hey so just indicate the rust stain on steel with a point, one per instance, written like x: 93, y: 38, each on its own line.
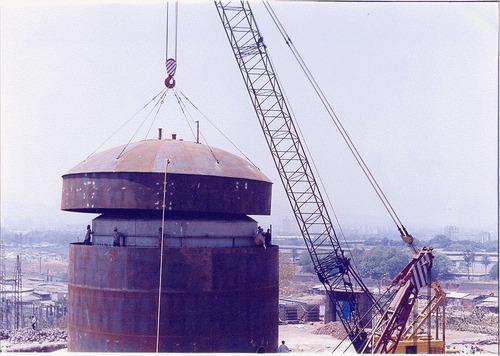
x: 213, y: 299
x: 185, y: 158
x: 98, y: 192
x: 196, y: 182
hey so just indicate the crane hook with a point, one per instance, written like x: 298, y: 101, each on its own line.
x: 170, y: 82
x: 171, y: 66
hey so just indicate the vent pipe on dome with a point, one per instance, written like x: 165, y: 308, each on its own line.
x: 159, y: 133
x: 174, y: 136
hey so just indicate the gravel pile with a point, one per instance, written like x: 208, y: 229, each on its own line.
x: 476, y: 322
x: 28, y: 335
x: 333, y: 328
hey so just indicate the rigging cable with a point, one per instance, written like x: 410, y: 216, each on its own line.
x: 185, y: 113
x: 359, y: 159
x: 125, y: 123
x: 175, y: 29
x: 143, y: 121
x: 171, y: 63
x: 162, y: 100
x: 158, y: 315
x: 215, y: 127
x: 166, y: 36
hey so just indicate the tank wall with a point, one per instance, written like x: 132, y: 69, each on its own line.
x: 213, y: 299
x: 98, y: 192
x: 177, y: 232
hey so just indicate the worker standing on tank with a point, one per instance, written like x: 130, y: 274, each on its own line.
x: 116, y: 237
x: 33, y: 322
x: 267, y: 237
x: 259, y: 239
x: 89, y: 233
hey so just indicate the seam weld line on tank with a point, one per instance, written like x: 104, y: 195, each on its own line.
x: 84, y: 287
x: 90, y: 331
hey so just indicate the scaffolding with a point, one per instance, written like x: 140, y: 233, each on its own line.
x: 16, y: 310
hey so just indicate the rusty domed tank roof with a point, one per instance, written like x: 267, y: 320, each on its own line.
x: 149, y: 156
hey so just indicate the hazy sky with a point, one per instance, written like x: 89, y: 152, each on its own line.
x: 414, y: 84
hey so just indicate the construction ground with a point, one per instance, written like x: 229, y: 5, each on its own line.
x: 472, y: 310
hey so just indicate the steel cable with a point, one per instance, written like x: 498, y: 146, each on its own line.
x: 158, y: 315
x: 142, y: 123
x: 162, y: 101
x: 184, y: 110
x: 373, y: 182
x: 125, y: 123
x: 166, y: 36
x: 316, y: 171
x: 215, y: 127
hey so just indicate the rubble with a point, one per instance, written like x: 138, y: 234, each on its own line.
x: 36, y: 347
x: 4, y: 334
x: 333, y: 328
x: 28, y: 335
x: 477, y: 322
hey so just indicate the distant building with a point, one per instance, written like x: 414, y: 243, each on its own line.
x: 484, y: 237
x: 451, y: 232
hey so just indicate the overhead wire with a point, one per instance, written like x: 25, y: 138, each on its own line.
x: 359, y: 159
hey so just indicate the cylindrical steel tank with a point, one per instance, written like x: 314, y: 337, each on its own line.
x: 219, y: 289
x: 213, y: 299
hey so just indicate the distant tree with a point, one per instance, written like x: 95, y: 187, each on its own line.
x: 357, y: 253
x: 490, y: 246
x: 464, y: 245
x: 494, y: 271
x: 469, y: 258
x: 485, y: 261
x: 441, y: 267
x: 455, y: 246
x: 440, y: 241
x: 382, y: 261
x: 306, y: 263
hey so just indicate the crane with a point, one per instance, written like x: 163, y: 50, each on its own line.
x: 332, y: 266
x: 425, y: 343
